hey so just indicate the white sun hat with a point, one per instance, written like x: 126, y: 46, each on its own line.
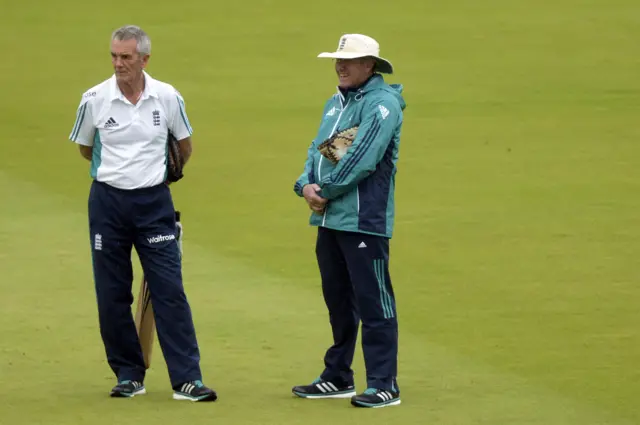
x: 353, y: 46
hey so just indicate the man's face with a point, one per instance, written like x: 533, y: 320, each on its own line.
x: 353, y: 72
x: 127, y: 62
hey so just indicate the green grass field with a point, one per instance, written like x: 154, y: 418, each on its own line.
x: 515, y: 257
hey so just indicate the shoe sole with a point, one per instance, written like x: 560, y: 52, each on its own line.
x: 208, y: 397
x: 139, y: 391
x: 376, y: 405
x: 318, y: 396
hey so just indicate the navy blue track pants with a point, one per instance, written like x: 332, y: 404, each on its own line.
x: 356, y: 286
x: 145, y: 219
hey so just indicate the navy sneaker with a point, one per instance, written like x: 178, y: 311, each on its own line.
x: 324, y: 389
x: 194, y: 391
x: 128, y: 389
x: 373, y: 397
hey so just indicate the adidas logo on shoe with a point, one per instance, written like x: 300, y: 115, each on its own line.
x: 194, y: 391
x: 324, y: 389
x: 373, y: 397
x: 128, y: 388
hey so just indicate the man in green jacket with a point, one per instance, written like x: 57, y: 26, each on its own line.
x: 352, y: 203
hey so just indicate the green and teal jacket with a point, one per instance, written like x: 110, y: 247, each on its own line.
x: 360, y: 187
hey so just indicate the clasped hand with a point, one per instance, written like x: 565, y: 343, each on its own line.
x: 315, y: 201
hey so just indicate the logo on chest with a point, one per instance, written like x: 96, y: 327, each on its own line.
x: 111, y: 123
x: 156, y: 118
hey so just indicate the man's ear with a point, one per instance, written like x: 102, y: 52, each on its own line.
x: 372, y: 63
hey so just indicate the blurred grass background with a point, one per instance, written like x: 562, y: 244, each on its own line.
x: 515, y: 252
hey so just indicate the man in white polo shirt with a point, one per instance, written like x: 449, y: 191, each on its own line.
x: 122, y: 127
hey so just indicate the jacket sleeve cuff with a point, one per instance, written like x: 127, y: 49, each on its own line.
x: 325, y: 192
x: 297, y: 188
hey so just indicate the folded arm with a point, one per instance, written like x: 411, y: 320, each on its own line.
x: 374, y: 135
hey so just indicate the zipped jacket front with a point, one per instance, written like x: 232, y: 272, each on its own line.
x: 360, y: 187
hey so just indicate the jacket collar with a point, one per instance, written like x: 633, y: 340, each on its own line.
x: 375, y: 81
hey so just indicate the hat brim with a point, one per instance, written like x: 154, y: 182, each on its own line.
x: 383, y: 65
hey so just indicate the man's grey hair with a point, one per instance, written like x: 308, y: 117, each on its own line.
x: 128, y: 32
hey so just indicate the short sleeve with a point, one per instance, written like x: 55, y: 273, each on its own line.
x: 178, y: 120
x: 83, y: 128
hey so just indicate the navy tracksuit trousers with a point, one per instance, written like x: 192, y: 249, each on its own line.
x: 145, y: 219
x: 356, y: 285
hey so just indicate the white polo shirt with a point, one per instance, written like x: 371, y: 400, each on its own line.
x: 130, y: 141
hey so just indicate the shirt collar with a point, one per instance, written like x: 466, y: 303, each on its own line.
x: 149, y: 88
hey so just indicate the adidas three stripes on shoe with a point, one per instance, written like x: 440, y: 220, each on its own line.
x: 128, y: 389
x: 324, y: 389
x: 374, y: 397
x: 194, y: 391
